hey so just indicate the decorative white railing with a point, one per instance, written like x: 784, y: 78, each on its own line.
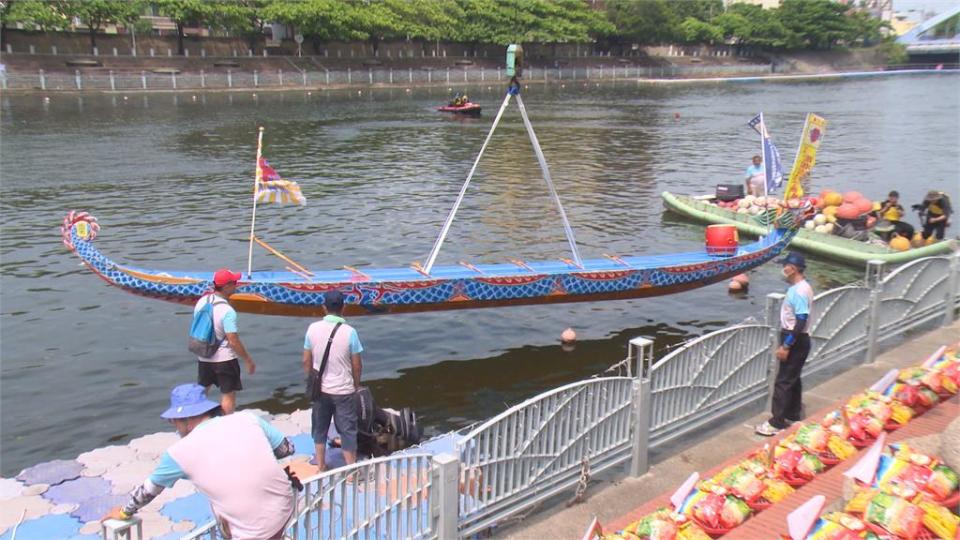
x: 536, y: 449
x: 709, y: 376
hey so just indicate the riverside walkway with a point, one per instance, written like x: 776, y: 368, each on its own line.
x: 618, y: 503
x: 66, y: 498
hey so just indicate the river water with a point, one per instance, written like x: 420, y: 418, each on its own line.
x: 169, y: 177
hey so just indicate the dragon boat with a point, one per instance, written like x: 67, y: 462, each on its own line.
x: 411, y: 289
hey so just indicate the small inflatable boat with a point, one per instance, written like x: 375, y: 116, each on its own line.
x: 467, y: 108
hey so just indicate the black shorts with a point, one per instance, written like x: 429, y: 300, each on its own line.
x: 223, y: 375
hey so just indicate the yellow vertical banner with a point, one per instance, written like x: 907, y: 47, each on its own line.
x: 813, y: 131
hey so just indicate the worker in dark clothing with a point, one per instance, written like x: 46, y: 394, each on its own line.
x: 935, y: 211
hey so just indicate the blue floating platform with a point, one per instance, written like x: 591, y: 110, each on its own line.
x: 51, y: 472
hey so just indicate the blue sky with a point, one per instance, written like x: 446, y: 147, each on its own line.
x: 936, y: 6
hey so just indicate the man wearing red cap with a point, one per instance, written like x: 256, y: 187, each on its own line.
x: 223, y: 369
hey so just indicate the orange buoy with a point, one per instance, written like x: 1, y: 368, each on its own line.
x: 917, y: 240
x: 899, y: 243
x: 851, y: 196
x: 863, y: 205
x: 848, y: 211
x: 722, y: 240
x: 831, y: 198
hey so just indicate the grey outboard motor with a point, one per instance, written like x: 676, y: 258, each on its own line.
x: 383, y: 431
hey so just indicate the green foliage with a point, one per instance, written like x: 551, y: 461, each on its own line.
x: 813, y: 24
x: 183, y: 12
x: 32, y: 14
x: 644, y: 21
x: 816, y: 24
x: 95, y: 14
x: 893, y: 53
x: 696, y: 31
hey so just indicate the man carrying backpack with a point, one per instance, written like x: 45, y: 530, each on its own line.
x: 221, y: 368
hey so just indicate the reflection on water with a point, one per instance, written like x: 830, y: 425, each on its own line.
x: 169, y: 177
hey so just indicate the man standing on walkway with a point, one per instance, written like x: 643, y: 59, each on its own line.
x: 795, y: 314
x: 222, y: 369
x: 230, y: 459
x: 332, y: 364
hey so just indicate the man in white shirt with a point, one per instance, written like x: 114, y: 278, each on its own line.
x: 756, y: 177
x: 331, y: 352
x: 230, y: 459
x: 222, y: 369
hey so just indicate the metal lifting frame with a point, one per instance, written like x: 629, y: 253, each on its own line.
x: 514, y: 90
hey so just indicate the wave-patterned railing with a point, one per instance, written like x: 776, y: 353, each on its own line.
x: 536, y: 449
x: 709, y: 376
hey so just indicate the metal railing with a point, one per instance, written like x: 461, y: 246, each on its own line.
x: 534, y: 450
x: 537, y: 449
x: 709, y: 376
x: 227, y: 79
x: 389, y: 497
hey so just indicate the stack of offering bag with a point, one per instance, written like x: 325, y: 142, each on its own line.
x: 907, y: 473
x: 717, y: 511
x: 897, y: 517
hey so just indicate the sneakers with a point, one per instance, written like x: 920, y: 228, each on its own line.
x: 766, y: 430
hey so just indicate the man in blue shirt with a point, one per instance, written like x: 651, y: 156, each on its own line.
x: 756, y: 177
x: 795, y: 317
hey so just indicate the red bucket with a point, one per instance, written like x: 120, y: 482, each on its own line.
x: 722, y: 240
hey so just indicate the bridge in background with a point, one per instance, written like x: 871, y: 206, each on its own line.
x: 939, y: 36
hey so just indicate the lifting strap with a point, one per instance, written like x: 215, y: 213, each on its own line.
x: 514, y: 90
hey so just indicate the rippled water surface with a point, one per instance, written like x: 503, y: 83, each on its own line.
x: 169, y: 177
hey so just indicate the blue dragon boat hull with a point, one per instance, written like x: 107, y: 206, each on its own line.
x: 408, y: 290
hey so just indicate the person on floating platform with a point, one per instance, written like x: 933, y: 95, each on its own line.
x: 230, y: 459
x: 332, y: 364
x: 756, y: 177
x: 892, y: 212
x: 935, y: 212
x: 457, y: 100
x: 795, y: 314
x: 223, y: 369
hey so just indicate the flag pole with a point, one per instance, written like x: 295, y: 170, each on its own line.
x: 767, y: 168
x: 253, y: 216
x: 763, y: 154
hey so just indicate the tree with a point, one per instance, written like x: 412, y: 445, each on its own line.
x: 697, y: 31
x: 96, y: 14
x: 375, y: 21
x: 320, y: 20
x: 183, y: 12
x: 864, y: 28
x: 644, y: 21
x: 701, y: 10
x: 819, y: 24
x: 241, y: 17
x: 32, y: 14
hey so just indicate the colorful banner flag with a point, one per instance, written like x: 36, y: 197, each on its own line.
x: 772, y: 167
x: 273, y: 189
x: 813, y: 131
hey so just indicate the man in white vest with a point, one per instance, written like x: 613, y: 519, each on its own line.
x: 332, y: 364
x: 231, y: 459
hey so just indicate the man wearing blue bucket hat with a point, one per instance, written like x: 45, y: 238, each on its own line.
x: 231, y: 459
x: 795, y: 316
